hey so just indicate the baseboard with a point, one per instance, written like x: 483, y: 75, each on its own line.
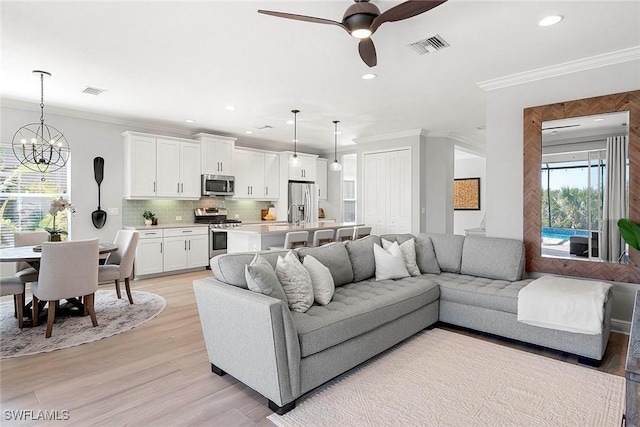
x: 620, y: 326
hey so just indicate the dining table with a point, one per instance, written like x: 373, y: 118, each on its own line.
x: 32, y: 255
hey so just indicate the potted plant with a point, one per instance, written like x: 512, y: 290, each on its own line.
x: 58, y: 205
x: 630, y: 232
x: 148, y: 217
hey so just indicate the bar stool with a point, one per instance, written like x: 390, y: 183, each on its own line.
x: 343, y: 234
x: 296, y: 239
x: 322, y: 237
x: 360, y: 232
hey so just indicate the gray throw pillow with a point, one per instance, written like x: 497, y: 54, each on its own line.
x: 361, y: 256
x: 426, y: 256
x: 335, y: 257
x: 262, y: 278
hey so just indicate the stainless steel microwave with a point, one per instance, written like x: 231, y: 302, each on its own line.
x: 218, y: 185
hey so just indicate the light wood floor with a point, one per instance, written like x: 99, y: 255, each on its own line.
x: 158, y: 373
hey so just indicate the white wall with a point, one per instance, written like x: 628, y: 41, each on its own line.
x: 475, y: 167
x: 437, y: 193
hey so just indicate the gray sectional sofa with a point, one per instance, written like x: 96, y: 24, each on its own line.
x: 283, y: 354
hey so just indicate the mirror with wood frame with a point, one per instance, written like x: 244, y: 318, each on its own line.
x: 534, y: 118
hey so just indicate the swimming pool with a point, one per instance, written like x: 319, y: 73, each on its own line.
x: 562, y: 233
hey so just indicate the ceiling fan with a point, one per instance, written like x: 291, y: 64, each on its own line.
x: 362, y: 19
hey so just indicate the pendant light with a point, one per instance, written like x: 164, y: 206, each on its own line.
x: 335, y: 166
x: 40, y: 147
x: 295, y: 160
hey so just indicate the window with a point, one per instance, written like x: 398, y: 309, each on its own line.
x: 349, y: 188
x: 25, y: 197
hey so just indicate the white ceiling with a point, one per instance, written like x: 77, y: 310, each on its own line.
x: 167, y: 61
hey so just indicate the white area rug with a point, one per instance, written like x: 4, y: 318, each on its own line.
x: 441, y: 378
x: 114, y: 316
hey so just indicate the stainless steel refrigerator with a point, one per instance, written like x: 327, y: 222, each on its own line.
x: 303, y: 202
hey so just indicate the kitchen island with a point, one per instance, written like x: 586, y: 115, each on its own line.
x: 249, y: 238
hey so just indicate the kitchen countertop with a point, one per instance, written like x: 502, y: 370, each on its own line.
x: 162, y: 226
x: 283, y: 228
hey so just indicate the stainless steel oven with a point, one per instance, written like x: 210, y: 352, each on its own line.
x: 218, y: 223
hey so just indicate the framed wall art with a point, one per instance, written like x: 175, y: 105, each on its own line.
x: 466, y: 194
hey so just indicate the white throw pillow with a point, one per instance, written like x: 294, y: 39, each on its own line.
x: 321, y: 279
x: 389, y: 264
x: 295, y: 281
x: 408, y: 250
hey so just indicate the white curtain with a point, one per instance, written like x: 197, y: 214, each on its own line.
x: 611, y: 245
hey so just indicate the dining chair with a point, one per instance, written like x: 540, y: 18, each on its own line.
x: 14, y: 286
x: 343, y: 234
x: 360, y: 232
x: 67, y: 270
x: 24, y: 271
x: 119, y: 264
x: 322, y: 237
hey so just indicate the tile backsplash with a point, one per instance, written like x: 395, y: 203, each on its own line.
x: 167, y: 210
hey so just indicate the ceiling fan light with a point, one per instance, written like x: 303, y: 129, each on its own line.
x: 550, y: 20
x: 361, y: 33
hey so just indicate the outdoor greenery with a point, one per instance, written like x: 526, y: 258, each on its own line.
x: 569, y: 208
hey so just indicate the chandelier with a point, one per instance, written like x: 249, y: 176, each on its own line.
x: 40, y: 147
x: 335, y: 166
x: 295, y: 160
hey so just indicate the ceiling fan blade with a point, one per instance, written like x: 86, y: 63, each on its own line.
x: 368, y: 52
x: 405, y: 10
x: 302, y: 18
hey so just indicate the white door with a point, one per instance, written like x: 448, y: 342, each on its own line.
x: 168, y: 168
x: 374, y: 192
x: 190, y: 170
x: 398, y: 201
x: 148, y: 256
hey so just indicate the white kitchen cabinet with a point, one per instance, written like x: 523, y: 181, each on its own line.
x: 161, y: 167
x: 217, y: 154
x: 139, y: 166
x: 257, y: 175
x: 321, y: 178
x: 149, y: 253
x: 305, y: 171
x: 185, y: 248
x: 272, y: 177
x: 387, y: 191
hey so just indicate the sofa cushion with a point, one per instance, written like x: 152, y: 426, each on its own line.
x: 448, y: 250
x: 361, y: 256
x: 229, y: 268
x: 261, y: 277
x: 500, y: 295
x: 493, y: 257
x: 334, y: 256
x: 296, y: 282
x: 360, y: 307
x: 389, y: 262
x: 426, y: 255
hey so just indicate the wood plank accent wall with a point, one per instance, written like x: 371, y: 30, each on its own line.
x: 533, y: 118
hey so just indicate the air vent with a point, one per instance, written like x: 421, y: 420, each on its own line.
x: 428, y: 45
x: 93, y: 90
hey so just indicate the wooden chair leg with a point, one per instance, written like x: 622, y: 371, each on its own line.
x: 89, y: 299
x: 128, y: 286
x: 51, y: 317
x: 19, y: 308
x: 118, y: 289
x: 85, y: 310
x: 34, y: 310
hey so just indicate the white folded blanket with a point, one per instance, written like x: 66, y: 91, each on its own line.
x: 564, y: 304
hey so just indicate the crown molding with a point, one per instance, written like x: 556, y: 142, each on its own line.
x: 611, y: 58
x: 463, y: 143
x: 392, y: 135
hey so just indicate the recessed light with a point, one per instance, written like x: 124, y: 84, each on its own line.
x: 550, y: 20
x: 369, y: 76
x: 248, y: 132
x: 230, y: 108
x: 189, y: 121
x: 289, y: 122
x: 599, y: 119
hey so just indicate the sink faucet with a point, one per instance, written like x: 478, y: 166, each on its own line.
x: 297, y: 212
